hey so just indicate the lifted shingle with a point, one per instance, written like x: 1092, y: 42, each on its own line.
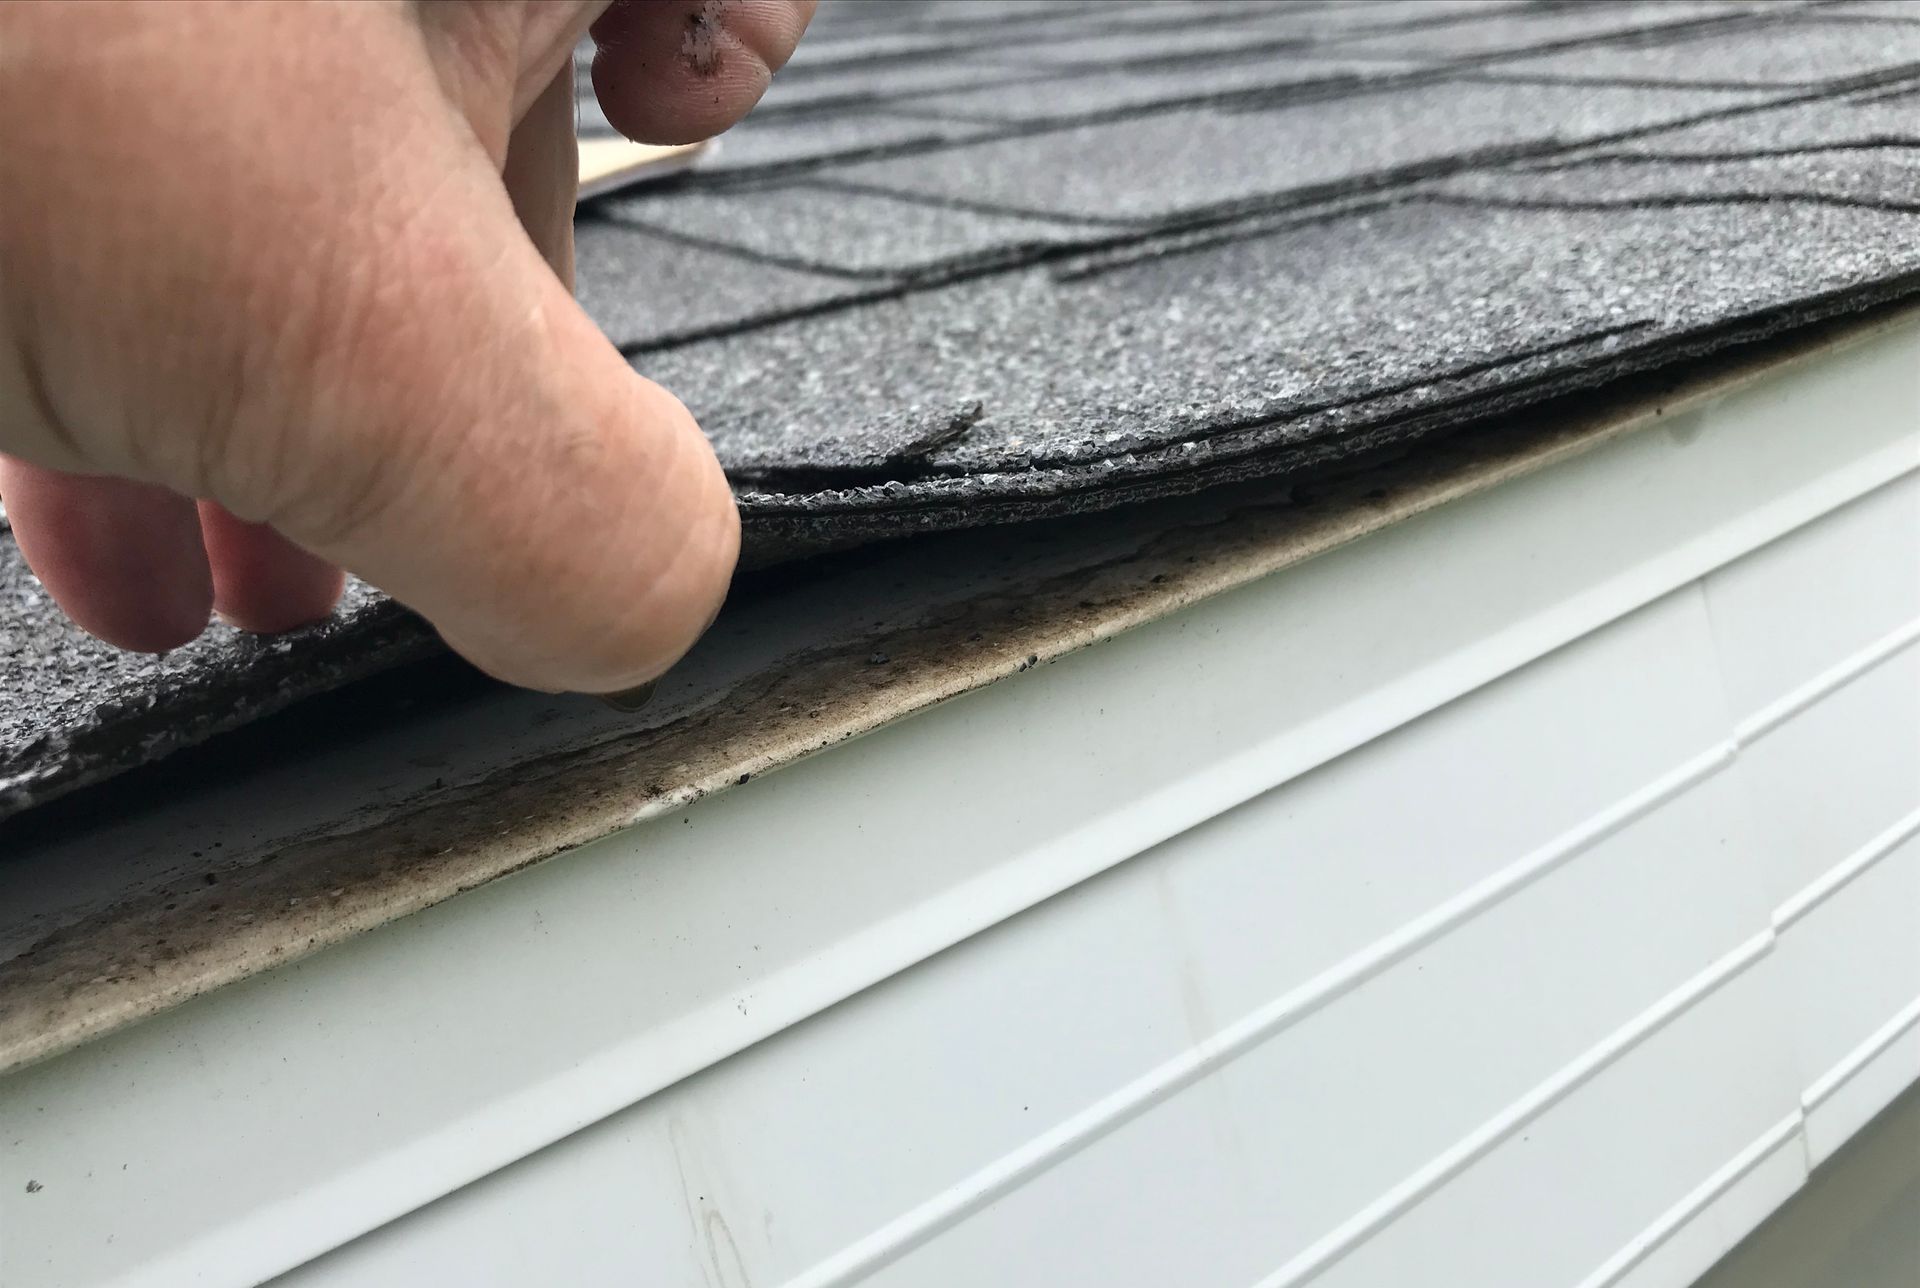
x: 989, y: 260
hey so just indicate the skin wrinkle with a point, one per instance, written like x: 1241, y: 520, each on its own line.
x: 332, y: 349
x: 22, y: 308
x: 603, y: 640
x: 405, y: 223
x: 555, y: 42
x: 617, y: 621
x: 244, y: 414
x: 541, y: 172
x: 332, y: 261
x: 18, y: 325
x: 36, y: 399
x: 531, y: 45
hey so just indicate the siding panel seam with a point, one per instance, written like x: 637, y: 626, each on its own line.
x: 947, y: 1209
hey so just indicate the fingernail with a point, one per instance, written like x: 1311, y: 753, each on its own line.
x: 631, y: 699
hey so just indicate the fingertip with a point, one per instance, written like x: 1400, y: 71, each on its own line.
x: 123, y: 560
x: 561, y: 521
x: 262, y: 582
x: 681, y: 71
x: 632, y: 603
x: 160, y: 624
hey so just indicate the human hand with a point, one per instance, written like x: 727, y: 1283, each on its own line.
x: 285, y: 289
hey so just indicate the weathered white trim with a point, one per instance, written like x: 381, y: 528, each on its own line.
x: 1304, y: 668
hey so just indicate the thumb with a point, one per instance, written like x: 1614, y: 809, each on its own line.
x: 486, y: 456
x: 306, y: 295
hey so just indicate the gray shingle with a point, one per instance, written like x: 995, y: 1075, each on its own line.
x: 833, y: 50
x: 1425, y: 31
x: 1837, y: 123
x: 1885, y: 177
x: 840, y: 231
x: 1811, y: 52
x: 901, y: 85
x: 1086, y: 96
x: 1339, y: 18
x: 645, y: 290
x: 1182, y: 163
x: 1253, y: 347
x: 966, y: 15
x: 960, y: 364
x: 1253, y: 28
x: 76, y: 710
x: 800, y: 142
x: 970, y: 22
x: 1545, y: 26
x: 1889, y: 10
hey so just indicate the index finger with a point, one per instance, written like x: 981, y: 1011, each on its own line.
x: 678, y: 71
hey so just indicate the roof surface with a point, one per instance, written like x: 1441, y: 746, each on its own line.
x: 393, y: 795
x: 982, y: 260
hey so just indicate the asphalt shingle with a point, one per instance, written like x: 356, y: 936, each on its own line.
x: 984, y: 260
x: 799, y: 143
x: 1182, y: 163
x: 1858, y: 121
x: 1089, y: 96
x: 1336, y: 329
x: 644, y: 290
x: 1549, y: 26
x: 1887, y: 178
x: 839, y: 230
x: 76, y: 710
x: 1820, y: 51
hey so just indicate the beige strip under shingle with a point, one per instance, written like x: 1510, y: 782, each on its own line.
x: 607, y: 164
